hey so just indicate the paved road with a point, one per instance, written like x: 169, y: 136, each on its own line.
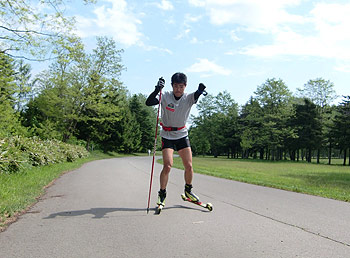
x: 99, y: 210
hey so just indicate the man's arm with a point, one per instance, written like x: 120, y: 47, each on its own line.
x: 152, y: 98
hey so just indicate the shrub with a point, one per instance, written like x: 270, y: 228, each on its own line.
x: 18, y: 153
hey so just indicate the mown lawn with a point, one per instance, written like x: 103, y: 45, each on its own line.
x: 330, y: 181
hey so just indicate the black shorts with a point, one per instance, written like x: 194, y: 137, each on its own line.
x: 176, y: 144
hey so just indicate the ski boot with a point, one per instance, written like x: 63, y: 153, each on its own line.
x: 189, y: 194
x: 161, y: 200
x: 191, y: 197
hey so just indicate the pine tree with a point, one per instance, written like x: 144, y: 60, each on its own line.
x: 307, y: 125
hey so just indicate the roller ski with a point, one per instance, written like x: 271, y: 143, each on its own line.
x: 189, y: 196
x: 161, y: 201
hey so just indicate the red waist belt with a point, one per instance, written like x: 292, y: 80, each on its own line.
x: 165, y: 128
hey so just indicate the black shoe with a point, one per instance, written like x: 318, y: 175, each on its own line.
x: 161, y: 197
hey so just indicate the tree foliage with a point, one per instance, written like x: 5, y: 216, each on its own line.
x: 341, y: 127
x: 273, y: 124
x: 9, y: 118
x: 30, y: 28
x: 319, y: 91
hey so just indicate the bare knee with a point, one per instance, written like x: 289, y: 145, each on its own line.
x: 167, y: 167
x: 188, y: 166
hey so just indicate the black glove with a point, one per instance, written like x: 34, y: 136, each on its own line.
x: 201, y: 88
x: 160, y: 84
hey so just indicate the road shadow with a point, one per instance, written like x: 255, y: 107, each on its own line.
x: 99, y: 213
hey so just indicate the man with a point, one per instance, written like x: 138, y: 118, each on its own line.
x: 175, y: 109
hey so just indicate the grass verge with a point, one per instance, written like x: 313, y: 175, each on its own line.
x: 19, y: 191
x: 330, y: 181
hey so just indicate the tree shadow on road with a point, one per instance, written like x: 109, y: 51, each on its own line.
x: 99, y: 213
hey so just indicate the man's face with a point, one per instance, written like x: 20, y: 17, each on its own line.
x: 178, y: 89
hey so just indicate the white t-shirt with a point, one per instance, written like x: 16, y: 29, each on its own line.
x: 175, y: 114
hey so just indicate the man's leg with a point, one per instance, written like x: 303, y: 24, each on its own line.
x: 167, y: 164
x: 186, y: 156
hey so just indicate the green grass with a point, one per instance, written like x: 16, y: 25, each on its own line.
x: 330, y: 181
x: 20, y: 190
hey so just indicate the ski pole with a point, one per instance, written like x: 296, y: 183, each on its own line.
x: 154, y: 150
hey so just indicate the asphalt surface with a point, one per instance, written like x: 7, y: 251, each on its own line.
x: 99, y: 210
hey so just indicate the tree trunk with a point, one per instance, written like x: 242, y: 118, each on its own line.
x: 302, y: 154
x: 298, y: 152
x: 261, y: 156
x: 344, y: 162
x: 292, y: 155
x: 318, y: 156
x: 88, y: 144
x: 272, y: 155
x: 330, y: 153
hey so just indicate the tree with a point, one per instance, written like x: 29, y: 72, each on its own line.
x: 216, y: 124
x: 81, y: 95
x: 24, y: 85
x: 319, y: 91
x: 145, y: 117
x: 100, y: 93
x: 199, y: 141
x: 274, y: 97
x: 30, y: 28
x: 9, y: 119
x: 253, y: 136
x: 307, y: 124
x: 341, y: 130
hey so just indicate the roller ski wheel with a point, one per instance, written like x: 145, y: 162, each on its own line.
x: 159, y: 208
x: 208, y: 205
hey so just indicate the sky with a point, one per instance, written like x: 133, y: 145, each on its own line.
x: 232, y: 45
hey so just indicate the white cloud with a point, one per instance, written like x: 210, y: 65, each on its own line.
x: 345, y: 68
x: 194, y: 40
x: 165, y: 5
x: 207, y: 68
x: 329, y: 37
x: 117, y: 21
x: 152, y: 48
x: 197, y: 3
x: 189, y: 18
x: 252, y: 15
x: 321, y: 32
x: 234, y: 36
x: 183, y: 34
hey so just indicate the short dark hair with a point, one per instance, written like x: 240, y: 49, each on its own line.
x: 179, y: 78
